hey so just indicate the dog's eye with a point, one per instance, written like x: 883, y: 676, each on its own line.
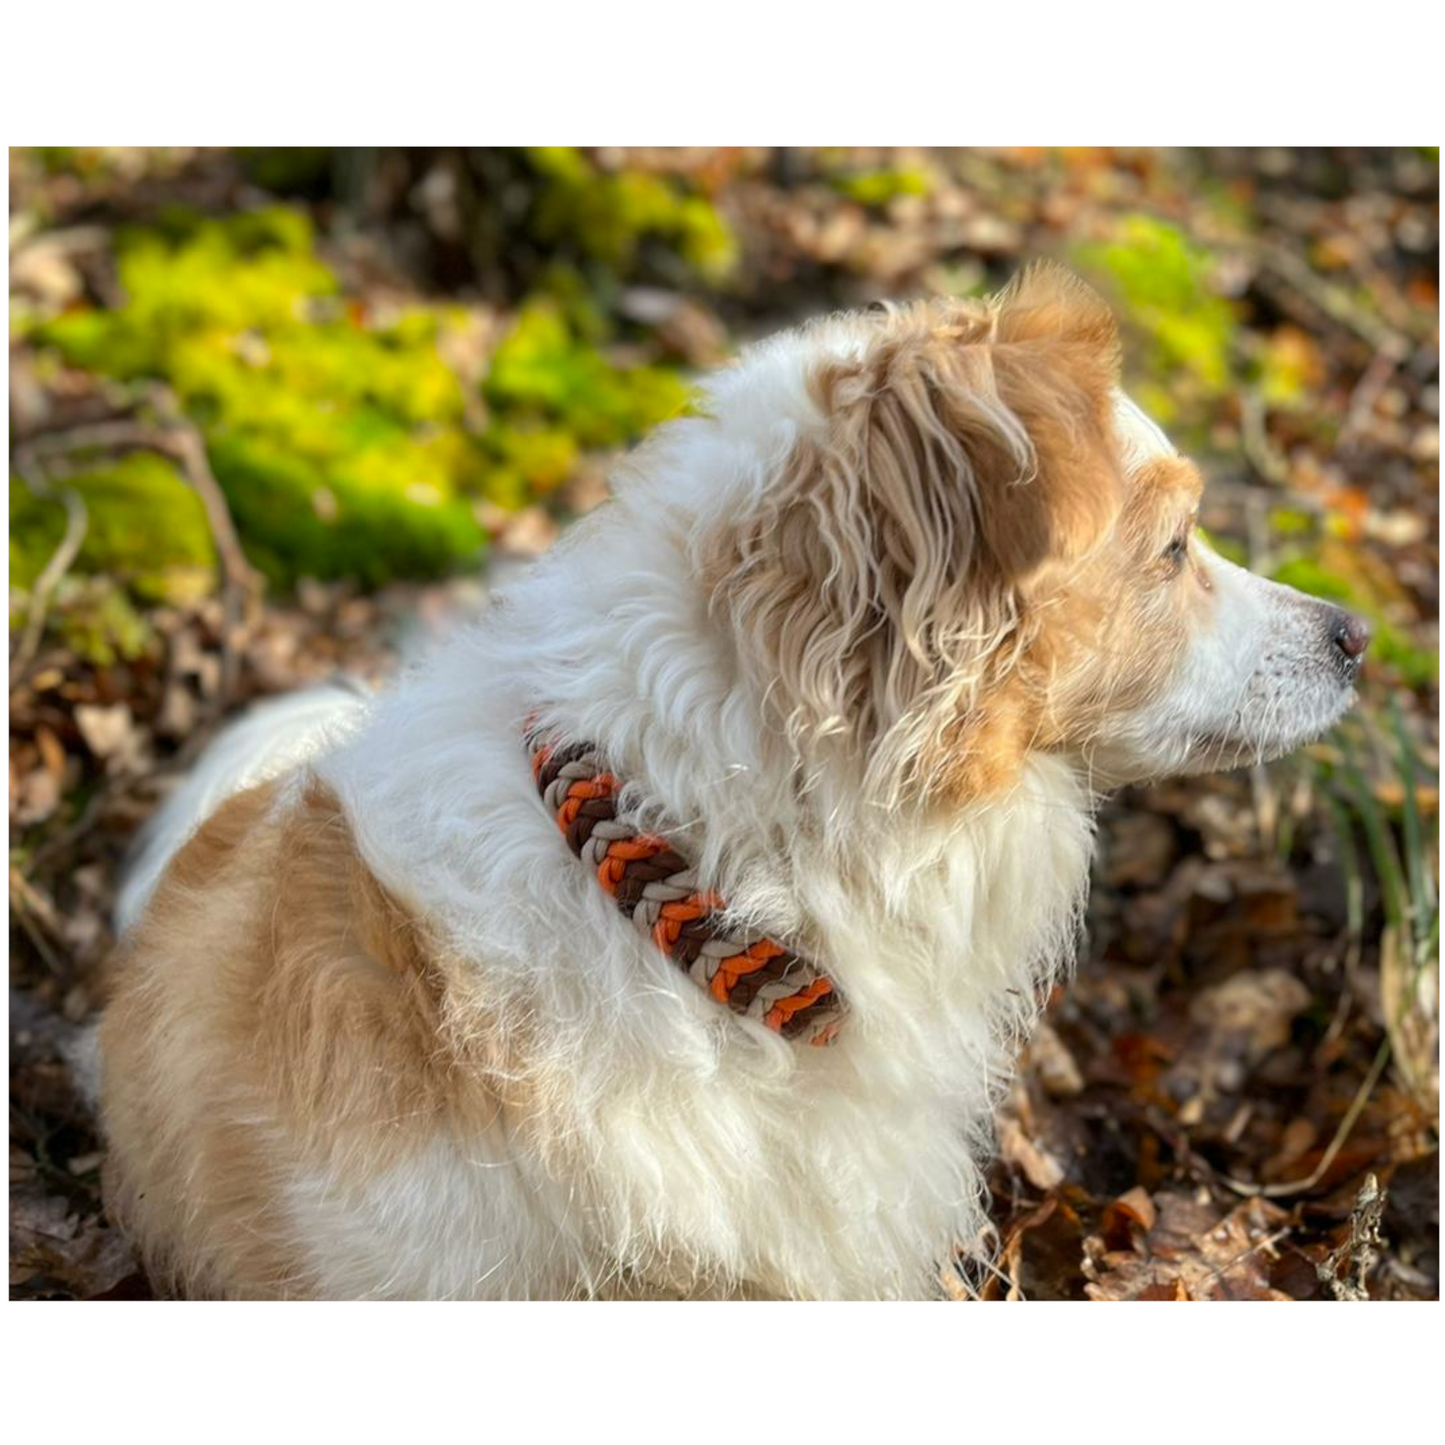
x: 1176, y: 552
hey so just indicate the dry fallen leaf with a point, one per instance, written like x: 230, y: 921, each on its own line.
x: 56, y: 1251
x: 1189, y: 1253
x: 1018, y: 1147
x: 111, y: 734
x: 1252, y: 1012
x: 1049, y: 1059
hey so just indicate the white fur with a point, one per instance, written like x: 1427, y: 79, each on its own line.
x: 1259, y: 677
x: 666, y: 1143
x: 1141, y: 438
x: 699, y: 1147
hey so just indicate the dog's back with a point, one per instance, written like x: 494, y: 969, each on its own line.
x: 269, y: 739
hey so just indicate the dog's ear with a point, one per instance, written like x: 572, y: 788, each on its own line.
x: 883, y: 574
x: 1048, y: 302
x: 1054, y: 366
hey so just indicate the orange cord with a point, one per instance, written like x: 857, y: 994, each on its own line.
x: 700, y: 907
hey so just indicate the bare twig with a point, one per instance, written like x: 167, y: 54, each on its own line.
x: 1292, y: 274
x: 1266, y: 458
x: 52, y: 455
x: 77, y: 521
x: 1268, y: 1242
x: 190, y: 451
x: 238, y: 582
x: 1369, y: 387
x: 36, y: 915
x: 1352, y: 1114
x: 178, y: 439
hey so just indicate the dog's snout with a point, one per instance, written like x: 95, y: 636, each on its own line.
x: 1350, y: 635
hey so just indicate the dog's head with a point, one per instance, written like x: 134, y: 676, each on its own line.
x: 959, y: 543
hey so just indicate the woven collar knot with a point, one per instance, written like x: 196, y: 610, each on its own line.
x: 659, y: 891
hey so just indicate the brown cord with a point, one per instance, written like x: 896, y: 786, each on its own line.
x: 655, y: 887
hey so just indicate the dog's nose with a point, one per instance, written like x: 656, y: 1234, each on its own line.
x: 1350, y: 634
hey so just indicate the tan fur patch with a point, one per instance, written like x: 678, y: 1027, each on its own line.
x: 880, y: 595
x: 1114, y: 627
x: 274, y: 1011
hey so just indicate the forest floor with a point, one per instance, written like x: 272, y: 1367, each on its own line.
x: 1237, y: 1094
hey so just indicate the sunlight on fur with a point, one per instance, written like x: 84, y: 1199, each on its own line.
x: 867, y: 637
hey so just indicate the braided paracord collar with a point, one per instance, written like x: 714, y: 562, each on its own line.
x: 658, y: 891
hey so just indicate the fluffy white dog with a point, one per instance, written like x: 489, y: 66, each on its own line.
x: 822, y: 701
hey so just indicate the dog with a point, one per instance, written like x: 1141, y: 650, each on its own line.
x: 672, y: 929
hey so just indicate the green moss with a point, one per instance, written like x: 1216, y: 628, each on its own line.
x: 610, y: 215
x: 1162, y: 281
x: 1286, y: 522
x: 527, y: 462
x: 1309, y: 576
x: 97, y: 620
x: 876, y: 188
x: 346, y: 520
x: 339, y: 445
x: 250, y: 274
x: 342, y: 443
x: 36, y: 528
x: 543, y: 373
x: 145, y: 528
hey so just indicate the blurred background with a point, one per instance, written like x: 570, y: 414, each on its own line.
x: 273, y: 411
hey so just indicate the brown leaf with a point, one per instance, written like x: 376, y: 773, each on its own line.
x: 55, y: 1251
x: 33, y: 797
x: 1040, y: 1168
x: 110, y: 732
x: 1252, y: 1012
x: 1049, y: 1059
x: 1190, y: 1253
x: 1139, y: 850
x: 1129, y: 1212
x: 52, y: 752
